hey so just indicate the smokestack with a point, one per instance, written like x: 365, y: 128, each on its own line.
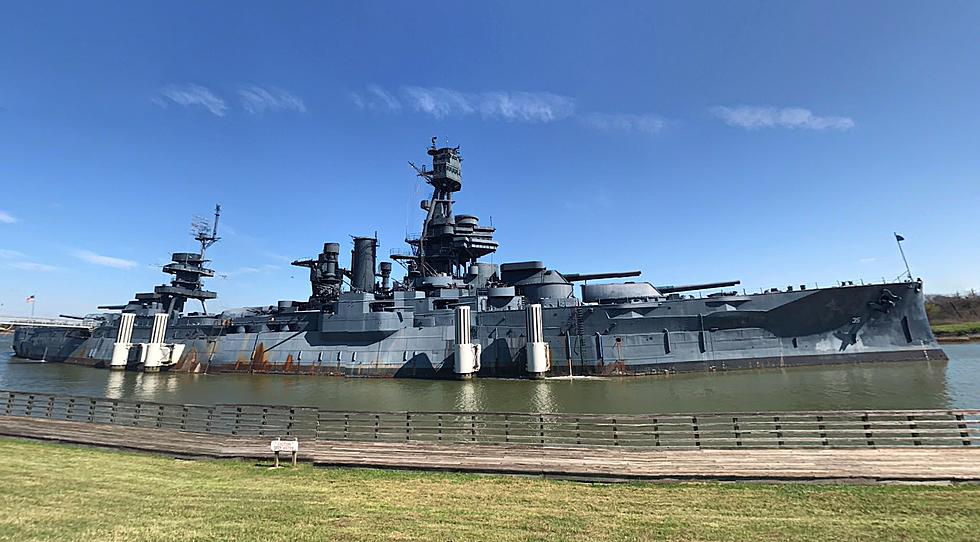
x: 362, y: 263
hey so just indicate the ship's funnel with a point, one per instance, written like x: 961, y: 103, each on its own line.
x: 362, y: 263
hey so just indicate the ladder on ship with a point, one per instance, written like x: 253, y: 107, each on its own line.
x: 578, y: 327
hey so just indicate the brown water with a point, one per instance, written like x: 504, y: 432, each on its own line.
x: 953, y: 384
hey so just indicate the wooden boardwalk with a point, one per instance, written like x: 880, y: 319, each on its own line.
x: 909, y: 463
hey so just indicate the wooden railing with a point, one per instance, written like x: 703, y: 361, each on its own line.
x: 829, y: 429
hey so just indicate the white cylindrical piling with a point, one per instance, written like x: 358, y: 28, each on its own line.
x: 120, y: 350
x: 466, y: 357
x: 153, y: 354
x: 126, y: 327
x: 159, y: 327
x: 538, y: 350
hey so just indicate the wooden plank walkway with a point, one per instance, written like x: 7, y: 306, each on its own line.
x: 923, y: 464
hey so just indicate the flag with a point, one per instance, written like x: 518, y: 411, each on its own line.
x: 29, y: 299
x: 899, y: 238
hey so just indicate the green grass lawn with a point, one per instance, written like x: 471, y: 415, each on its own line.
x: 968, y: 328
x: 61, y: 492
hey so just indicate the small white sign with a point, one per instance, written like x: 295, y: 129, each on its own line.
x: 284, y: 445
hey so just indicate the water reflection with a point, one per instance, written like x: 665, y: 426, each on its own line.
x: 114, y: 385
x: 541, y: 397
x: 869, y: 386
x: 468, y: 397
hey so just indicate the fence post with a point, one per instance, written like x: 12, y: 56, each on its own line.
x: 964, y: 434
x: 697, y: 431
x: 912, y: 430
x: 867, y: 429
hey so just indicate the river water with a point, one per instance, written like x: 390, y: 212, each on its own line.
x: 916, y: 385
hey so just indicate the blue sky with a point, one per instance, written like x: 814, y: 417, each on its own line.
x: 776, y: 143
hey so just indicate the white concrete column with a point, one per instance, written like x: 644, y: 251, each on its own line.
x: 466, y: 357
x: 120, y: 350
x: 538, y: 351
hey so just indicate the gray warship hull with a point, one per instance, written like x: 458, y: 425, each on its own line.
x: 779, y: 329
x: 453, y: 315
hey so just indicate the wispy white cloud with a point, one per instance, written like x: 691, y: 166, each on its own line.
x: 14, y: 259
x: 31, y: 266
x: 441, y: 102
x: 248, y: 270
x: 106, y: 261
x: 257, y: 100
x: 375, y: 98
x: 7, y: 218
x: 516, y: 106
x: 191, y: 95
x: 752, y: 117
x: 868, y: 260
x: 625, y: 122
x: 438, y: 102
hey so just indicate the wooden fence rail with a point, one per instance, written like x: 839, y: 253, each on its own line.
x: 812, y: 429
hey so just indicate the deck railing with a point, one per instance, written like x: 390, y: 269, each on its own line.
x: 827, y: 429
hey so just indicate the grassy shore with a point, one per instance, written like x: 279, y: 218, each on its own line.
x: 959, y: 329
x: 61, y: 492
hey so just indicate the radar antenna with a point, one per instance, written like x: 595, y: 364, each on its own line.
x: 201, y: 227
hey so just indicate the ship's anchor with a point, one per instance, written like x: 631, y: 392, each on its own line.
x: 885, y: 302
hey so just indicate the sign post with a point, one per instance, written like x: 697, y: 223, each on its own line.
x: 291, y: 446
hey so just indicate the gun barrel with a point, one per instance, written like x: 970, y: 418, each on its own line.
x: 69, y: 316
x: 575, y: 277
x: 692, y: 287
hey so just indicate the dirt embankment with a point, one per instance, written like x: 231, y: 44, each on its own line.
x: 954, y: 318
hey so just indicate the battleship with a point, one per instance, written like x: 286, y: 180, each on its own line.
x: 454, y: 315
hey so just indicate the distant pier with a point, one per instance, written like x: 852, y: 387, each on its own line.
x: 876, y: 446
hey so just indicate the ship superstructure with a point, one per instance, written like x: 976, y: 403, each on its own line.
x: 454, y: 315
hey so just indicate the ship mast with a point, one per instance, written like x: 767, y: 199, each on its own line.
x: 208, y: 238
x: 447, y: 243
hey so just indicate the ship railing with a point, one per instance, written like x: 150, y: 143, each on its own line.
x: 20, y: 321
x: 808, y: 286
x: 788, y: 429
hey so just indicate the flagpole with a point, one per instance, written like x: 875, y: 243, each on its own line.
x: 898, y: 239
